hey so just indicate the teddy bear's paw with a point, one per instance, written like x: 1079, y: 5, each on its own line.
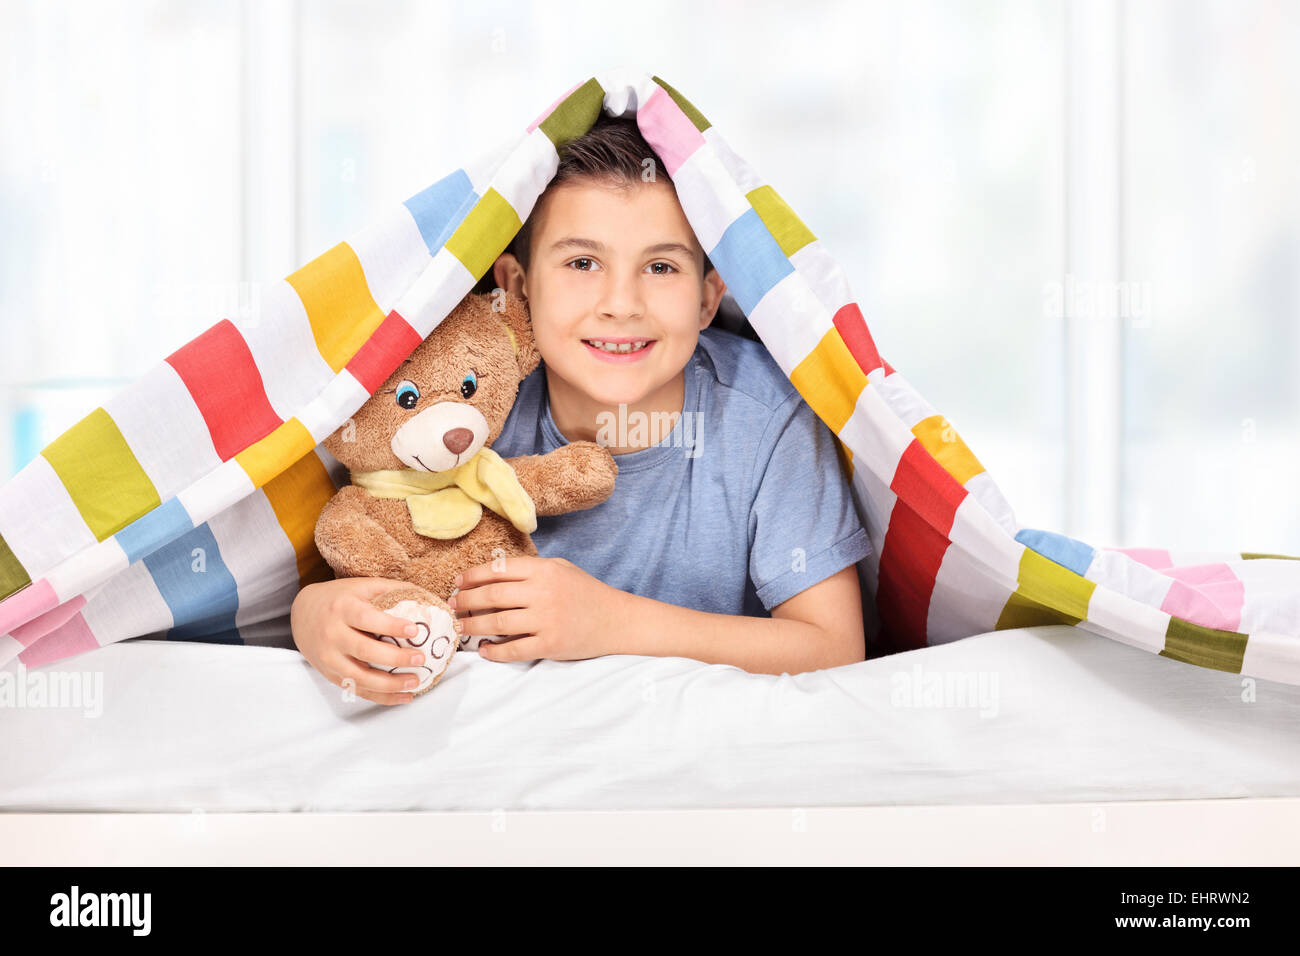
x: 470, y: 642
x: 593, y: 458
x: 437, y: 638
x: 592, y: 473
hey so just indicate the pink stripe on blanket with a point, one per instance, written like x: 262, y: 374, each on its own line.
x: 31, y: 632
x: 668, y: 130
x: 1152, y: 557
x: 32, y: 601
x: 1207, y: 594
x: 72, y: 637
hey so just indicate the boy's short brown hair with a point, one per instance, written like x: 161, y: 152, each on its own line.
x: 612, y: 152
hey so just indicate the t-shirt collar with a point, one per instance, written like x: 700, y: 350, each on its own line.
x: 643, y: 458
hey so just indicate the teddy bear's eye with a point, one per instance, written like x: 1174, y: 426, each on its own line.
x: 469, y: 384
x: 407, y: 394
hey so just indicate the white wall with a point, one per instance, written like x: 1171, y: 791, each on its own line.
x: 976, y: 166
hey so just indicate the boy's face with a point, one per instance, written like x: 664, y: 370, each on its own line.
x: 614, y: 265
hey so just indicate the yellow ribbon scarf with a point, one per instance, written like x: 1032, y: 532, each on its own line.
x: 448, y: 504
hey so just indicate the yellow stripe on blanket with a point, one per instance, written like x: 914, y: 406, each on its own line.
x: 102, y: 475
x: 276, y: 452
x: 297, y: 496
x: 830, y: 380
x: 786, y: 228
x: 340, y: 307
x: 1046, y: 593
x: 940, y: 439
x: 485, y: 233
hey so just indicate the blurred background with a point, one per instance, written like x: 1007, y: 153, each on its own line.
x: 1073, y: 226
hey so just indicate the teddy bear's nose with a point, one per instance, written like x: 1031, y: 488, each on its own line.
x: 457, y: 440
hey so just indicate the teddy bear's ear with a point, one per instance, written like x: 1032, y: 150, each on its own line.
x: 513, y: 310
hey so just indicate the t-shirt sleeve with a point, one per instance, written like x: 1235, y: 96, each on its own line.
x: 803, y: 525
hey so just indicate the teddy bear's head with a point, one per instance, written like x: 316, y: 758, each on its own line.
x: 451, y: 397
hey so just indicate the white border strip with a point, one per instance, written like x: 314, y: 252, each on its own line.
x: 1228, y: 832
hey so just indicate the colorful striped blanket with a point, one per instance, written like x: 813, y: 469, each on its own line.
x: 185, y: 506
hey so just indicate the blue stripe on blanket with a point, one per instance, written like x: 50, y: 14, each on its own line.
x: 1069, y: 552
x: 439, y: 209
x: 168, y: 521
x: 198, y: 588
x: 750, y: 259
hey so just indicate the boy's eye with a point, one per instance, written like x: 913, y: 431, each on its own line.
x: 407, y: 394
x: 469, y: 384
x: 668, y: 266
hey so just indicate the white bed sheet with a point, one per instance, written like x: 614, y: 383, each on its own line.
x: 1075, y: 717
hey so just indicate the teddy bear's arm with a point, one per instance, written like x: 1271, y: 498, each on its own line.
x: 572, y: 477
x: 353, y: 543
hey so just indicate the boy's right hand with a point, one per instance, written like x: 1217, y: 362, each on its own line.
x: 333, y: 623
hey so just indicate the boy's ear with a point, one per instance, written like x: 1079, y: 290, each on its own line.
x: 507, y: 273
x: 513, y: 310
x: 714, y: 290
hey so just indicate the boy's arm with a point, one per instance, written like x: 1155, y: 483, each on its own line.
x: 819, y: 627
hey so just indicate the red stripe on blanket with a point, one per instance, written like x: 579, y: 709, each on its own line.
x: 927, y: 487
x: 223, y: 379
x: 853, y: 330
x: 909, y: 564
x: 388, y: 345
x: 72, y: 637
x: 914, y: 546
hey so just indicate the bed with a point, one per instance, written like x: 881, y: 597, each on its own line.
x: 1042, y: 744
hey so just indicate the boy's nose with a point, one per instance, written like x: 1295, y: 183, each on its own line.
x: 457, y: 440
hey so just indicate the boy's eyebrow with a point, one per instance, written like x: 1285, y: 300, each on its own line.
x: 576, y: 242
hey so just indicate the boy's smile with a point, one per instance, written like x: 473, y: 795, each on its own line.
x: 617, y: 297
x: 626, y: 349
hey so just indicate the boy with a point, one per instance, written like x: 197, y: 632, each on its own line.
x: 730, y: 538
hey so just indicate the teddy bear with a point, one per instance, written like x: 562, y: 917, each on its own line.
x: 428, y: 496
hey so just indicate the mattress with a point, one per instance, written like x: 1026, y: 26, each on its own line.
x: 1035, y: 715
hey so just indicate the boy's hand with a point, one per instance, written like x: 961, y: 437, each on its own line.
x: 332, y: 625
x: 556, y: 609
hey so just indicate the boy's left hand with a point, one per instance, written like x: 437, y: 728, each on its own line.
x: 558, y: 610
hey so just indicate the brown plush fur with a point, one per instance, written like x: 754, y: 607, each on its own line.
x: 360, y: 535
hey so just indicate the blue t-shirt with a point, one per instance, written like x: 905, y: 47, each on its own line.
x: 740, y: 507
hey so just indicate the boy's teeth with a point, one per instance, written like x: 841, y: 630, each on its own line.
x: 625, y: 347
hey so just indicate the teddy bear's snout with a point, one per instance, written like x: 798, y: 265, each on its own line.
x: 457, y: 439
x: 441, y: 437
